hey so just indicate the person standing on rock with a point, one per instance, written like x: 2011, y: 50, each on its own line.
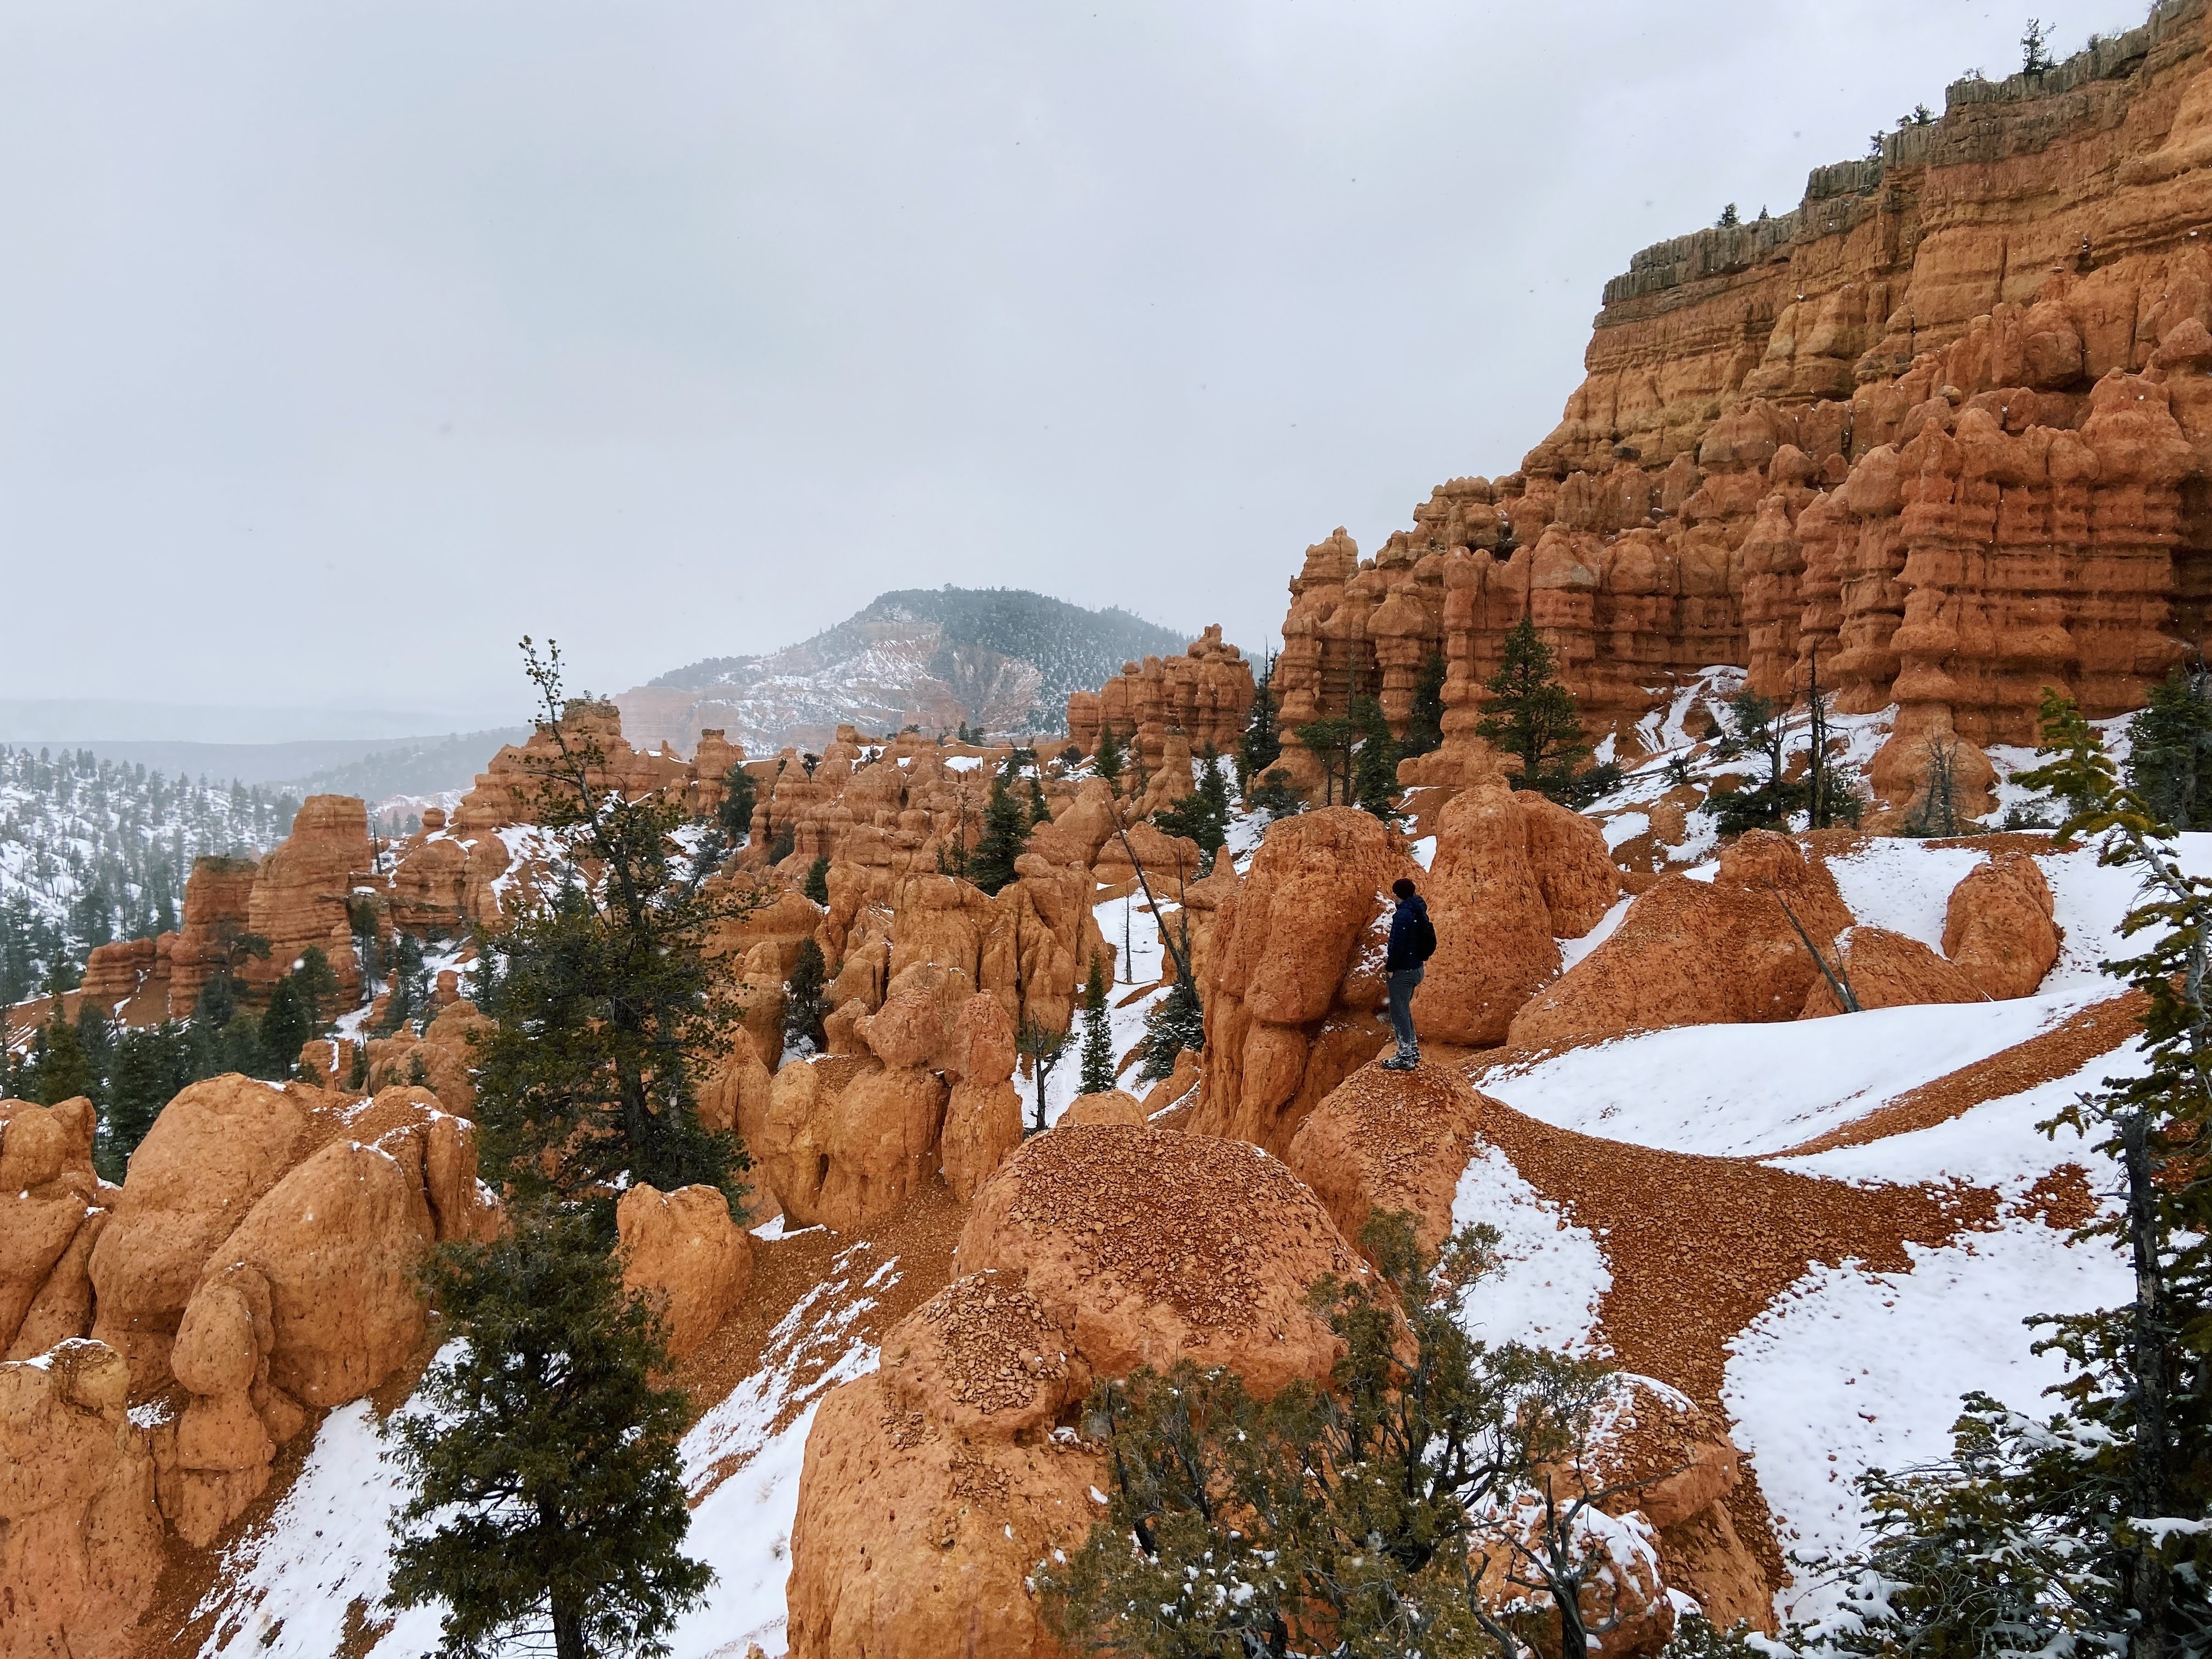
x: 1412, y: 942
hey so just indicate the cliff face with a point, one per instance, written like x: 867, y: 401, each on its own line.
x: 1946, y: 428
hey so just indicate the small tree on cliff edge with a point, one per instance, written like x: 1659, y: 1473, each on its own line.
x: 548, y: 1493
x: 607, y: 1007
x: 1529, y: 714
x: 804, y: 1005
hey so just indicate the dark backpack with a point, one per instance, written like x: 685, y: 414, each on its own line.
x: 1425, y: 937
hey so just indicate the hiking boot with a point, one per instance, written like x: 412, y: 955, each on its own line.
x: 1402, y: 1063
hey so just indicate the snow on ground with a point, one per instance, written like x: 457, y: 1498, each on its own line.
x: 1552, y: 1274
x: 1137, y: 969
x: 1572, y: 951
x: 1902, y: 885
x: 287, y: 1585
x: 1742, y: 1090
x: 1851, y: 1369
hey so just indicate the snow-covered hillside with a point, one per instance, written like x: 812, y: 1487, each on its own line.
x: 1001, y: 660
x: 93, y: 850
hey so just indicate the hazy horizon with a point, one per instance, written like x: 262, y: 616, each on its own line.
x: 347, y: 345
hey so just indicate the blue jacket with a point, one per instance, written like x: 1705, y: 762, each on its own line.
x: 1406, y: 927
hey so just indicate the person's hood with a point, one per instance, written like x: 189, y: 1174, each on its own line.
x: 1417, y: 905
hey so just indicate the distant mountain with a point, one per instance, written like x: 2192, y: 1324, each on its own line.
x: 1000, y: 659
x: 413, y: 766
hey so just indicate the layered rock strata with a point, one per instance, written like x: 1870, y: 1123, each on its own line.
x: 1941, y: 435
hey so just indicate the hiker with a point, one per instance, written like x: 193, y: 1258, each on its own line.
x: 1412, y: 942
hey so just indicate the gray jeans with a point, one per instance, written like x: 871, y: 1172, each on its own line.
x: 1401, y: 1009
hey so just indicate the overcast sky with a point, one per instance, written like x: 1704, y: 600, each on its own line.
x: 340, y: 344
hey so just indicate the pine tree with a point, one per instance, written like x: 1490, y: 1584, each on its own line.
x: 1203, y: 815
x: 2044, y: 1537
x: 1261, y: 745
x: 815, y: 885
x: 1529, y: 714
x: 547, y: 1488
x: 2170, y: 750
x: 1043, y: 1047
x: 286, y: 1024
x: 804, y: 1004
x: 1040, y: 812
x: 1006, y: 837
x: 1758, y: 728
x: 1375, y: 767
x: 151, y: 1065
x: 1096, y: 1076
x: 1330, y: 741
x: 1414, y: 1504
x: 1425, y: 729
x: 607, y: 1009
x: 735, y: 812
x: 59, y: 1069
x: 1106, y: 758
x: 1177, y: 1022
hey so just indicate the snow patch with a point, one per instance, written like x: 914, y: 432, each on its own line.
x: 1552, y: 1274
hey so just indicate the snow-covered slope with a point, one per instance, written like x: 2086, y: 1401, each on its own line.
x: 93, y: 850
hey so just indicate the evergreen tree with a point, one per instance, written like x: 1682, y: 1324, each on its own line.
x: 318, y: 984
x: 1275, y: 798
x: 1330, y: 741
x: 782, y: 844
x: 1375, y: 768
x: 1261, y: 745
x: 1177, y: 1022
x: 1106, y: 758
x: 2170, y: 750
x: 1097, y: 1075
x: 1040, y: 812
x: 1006, y: 837
x: 1759, y: 729
x: 95, y: 1039
x: 547, y: 1489
x: 286, y: 1024
x: 238, y: 1047
x: 59, y: 1070
x: 607, y: 1008
x: 151, y: 1064
x: 815, y: 885
x: 1202, y: 815
x: 1424, y: 730
x: 1412, y: 1505
x: 1531, y: 717
x: 804, y: 1004
x: 735, y: 813
x: 2084, y: 1533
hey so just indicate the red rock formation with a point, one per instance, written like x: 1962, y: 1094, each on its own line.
x: 1291, y: 1000
x: 1997, y: 928
x: 1091, y: 1251
x: 218, y: 896
x: 1886, y: 971
x: 1204, y: 696
x: 682, y: 1252
x: 80, y: 1539
x: 1697, y: 952
x: 1945, y: 428
x: 302, y: 890
x: 52, y: 1207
